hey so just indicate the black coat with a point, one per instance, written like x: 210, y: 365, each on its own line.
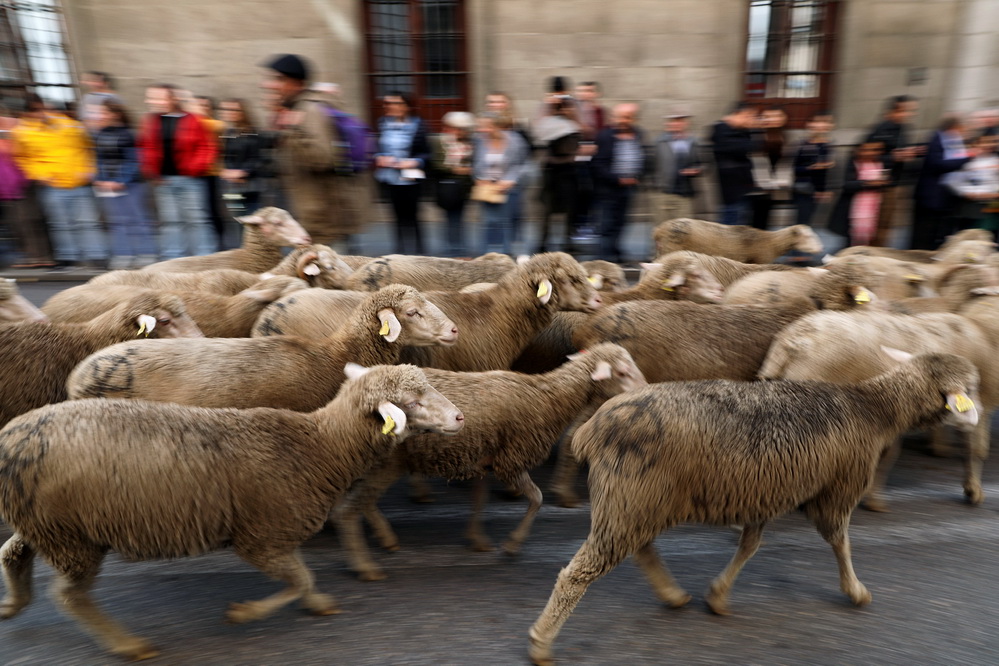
x: 733, y: 147
x: 839, y: 219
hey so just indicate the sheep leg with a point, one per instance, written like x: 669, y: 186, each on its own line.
x: 940, y: 442
x: 71, y: 591
x: 523, y: 484
x: 566, y: 470
x: 363, y: 498
x: 17, y: 559
x: 289, y: 568
x: 663, y: 583
x: 590, y: 563
x: 475, y: 534
x: 978, y: 451
x: 873, y: 500
x: 832, y: 525
x: 419, y: 489
x: 749, y: 542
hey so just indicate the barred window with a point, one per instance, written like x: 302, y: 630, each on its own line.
x: 417, y: 46
x: 789, y: 55
x: 33, y: 53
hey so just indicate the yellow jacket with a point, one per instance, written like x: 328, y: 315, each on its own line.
x: 56, y: 151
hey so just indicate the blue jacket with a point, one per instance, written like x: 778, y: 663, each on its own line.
x: 515, y: 157
x: 929, y: 192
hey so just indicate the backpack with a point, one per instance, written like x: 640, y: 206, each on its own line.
x: 356, y: 145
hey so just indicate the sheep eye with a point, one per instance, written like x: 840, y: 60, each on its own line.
x: 413, y: 405
x: 163, y: 321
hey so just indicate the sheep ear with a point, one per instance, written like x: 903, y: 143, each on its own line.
x: 860, y: 295
x: 146, y: 324
x: 303, y: 262
x: 602, y: 372
x: 353, y: 370
x: 814, y: 270
x: 251, y: 219
x: 312, y: 269
x: 523, y: 259
x: 649, y: 266
x: 578, y: 355
x: 827, y: 259
x: 391, y: 326
x: 985, y: 291
x: 897, y: 354
x: 395, y: 419
x: 597, y: 280
x: 962, y: 409
x: 545, y: 291
x: 675, y: 280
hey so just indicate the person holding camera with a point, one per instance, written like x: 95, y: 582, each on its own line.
x: 559, y: 133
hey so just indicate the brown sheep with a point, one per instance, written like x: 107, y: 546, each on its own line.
x: 153, y: 481
x: 283, y: 371
x: 726, y: 271
x: 429, y: 273
x: 724, y: 453
x: 265, y: 232
x: 739, y: 242
x: 840, y: 287
x: 958, y: 286
x: 36, y: 359
x: 605, y: 275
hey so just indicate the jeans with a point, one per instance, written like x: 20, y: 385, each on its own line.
x: 614, y: 200
x: 184, y: 228
x: 73, y: 229
x: 455, y: 232
x: 497, y: 219
x: 405, y: 200
x: 129, y: 223
x: 733, y: 213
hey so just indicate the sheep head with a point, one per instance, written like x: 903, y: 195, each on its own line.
x: 611, y: 368
x: 155, y: 315
x: 690, y: 283
x: 318, y: 265
x: 14, y: 307
x: 605, y: 276
x: 952, y: 377
x: 403, y: 400
x: 277, y: 226
x: 407, y: 318
x: 805, y: 239
x: 557, y: 282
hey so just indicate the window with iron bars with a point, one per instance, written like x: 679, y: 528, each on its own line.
x: 417, y: 46
x: 789, y: 55
x: 33, y: 53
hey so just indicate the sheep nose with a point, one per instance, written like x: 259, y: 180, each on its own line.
x: 454, y: 330
x: 460, y: 417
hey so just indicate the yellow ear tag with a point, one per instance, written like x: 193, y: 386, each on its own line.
x: 384, y: 329
x: 963, y: 403
x: 863, y: 296
x: 912, y: 277
x: 142, y: 329
x: 592, y: 280
x: 389, y: 427
x: 666, y: 287
x: 542, y: 290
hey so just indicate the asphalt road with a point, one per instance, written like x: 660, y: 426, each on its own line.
x: 930, y: 564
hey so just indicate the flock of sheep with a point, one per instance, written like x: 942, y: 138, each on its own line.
x: 245, y: 398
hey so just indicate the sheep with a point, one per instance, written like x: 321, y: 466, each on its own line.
x: 16, y: 308
x: 726, y: 271
x: 840, y: 287
x: 513, y: 421
x: 318, y: 265
x: 217, y: 316
x: 891, y: 279
x: 152, y: 481
x: 605, y: 275
x: 722, y: 453
x: 282, y: 371
x: 221, y: 281
x: 36, y: 359
x: 945, y: 252
x: 429, y: 273
x: 265, y: 232
x: 685, y: 281
x: 845, y: 348
x: 959, y: 285
x: 741, y: 243
x: 496, y: 324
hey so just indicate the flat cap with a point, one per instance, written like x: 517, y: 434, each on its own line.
x: 290, y: 65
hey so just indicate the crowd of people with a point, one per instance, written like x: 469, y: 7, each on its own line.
x: 74, y: 179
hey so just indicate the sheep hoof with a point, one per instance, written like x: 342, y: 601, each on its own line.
x: 321, y: 604
x: 135, y: 649
x: 875, y: 504
x: 860, y: 596
x: 540, y: 655
x: 566, y: 498
x: 718, y: 604
x: 239, y: 613
x: 371, y: 575
x: 482, y: 546
x: 676, y: 599
x: 11, y: 607
x: 512, y: 548
x: 975, y: 496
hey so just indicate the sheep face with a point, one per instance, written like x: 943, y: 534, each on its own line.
x: 161, y: 316
x: 560, y: 283
x: 405, y: 400
x: 605, y: 276
x: 16, y: 308
x: 954, y: 378
x: 806, y: 240
x: 320, y: 267
x: 430, y: 411
x: 694, y: 284
x: 277, y: 226
x: 419, y: 322
x: 612, y: 369
x: 967, y: 252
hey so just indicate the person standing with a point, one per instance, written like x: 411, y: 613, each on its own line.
x: 403, y: 153
x: 945, y: 153
x: 55, y: 151
x: 592, y: 118
x: 975, y: 185
x: 121, y: 191
x: 203, y: 106
x: 452, y: 152
x: 308, y: 150
x: 99, y: 88
x: 733, y: 144
x: 500, y: 103
x: 893, y: 133
x: 176, y: 151
x: 500, y: 158
x: 619, y: 164
x: 677, y: 164
x: 770, y: 166
x: 17, y: 203
x: 559, y: 134
x: 855, y: 215
x: 242, y: 158
x: 812, y: 161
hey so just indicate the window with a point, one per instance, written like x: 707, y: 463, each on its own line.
x: 417, y: 46
x: 33, y: 53
x: 789, y: 55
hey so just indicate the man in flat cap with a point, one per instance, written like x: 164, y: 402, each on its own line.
x: 677, y: 163
x: 308, y: 150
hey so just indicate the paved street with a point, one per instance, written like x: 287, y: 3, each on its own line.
x: 930, y: 564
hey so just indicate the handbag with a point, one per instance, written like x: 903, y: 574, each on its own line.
x: 488, y: 192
